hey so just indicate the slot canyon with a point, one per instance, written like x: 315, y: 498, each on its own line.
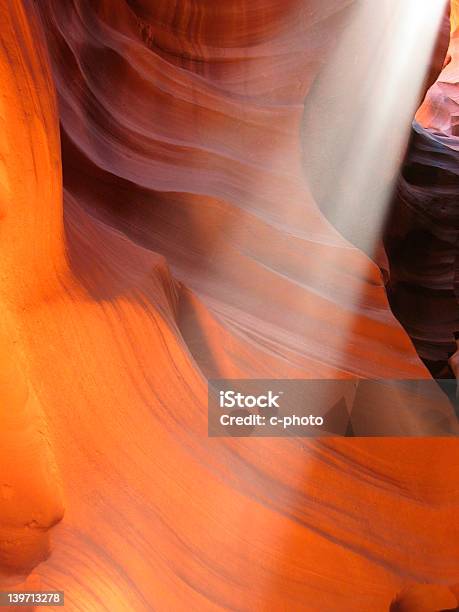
x: 164, y: 221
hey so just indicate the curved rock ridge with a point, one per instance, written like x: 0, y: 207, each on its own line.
x: 425, y: 598
x: 193, y: 248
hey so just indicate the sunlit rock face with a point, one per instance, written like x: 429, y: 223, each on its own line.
x: 31, y: 245
x: 423, y: 232
x: 192, y: 247
x: 439, y: 55
x: 440, y: 111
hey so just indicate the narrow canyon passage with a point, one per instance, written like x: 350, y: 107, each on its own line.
x: 423, y: 231
x: 157, y: 229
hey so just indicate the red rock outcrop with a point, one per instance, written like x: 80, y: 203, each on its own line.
x: 193, y: 248
x: 440, y: 111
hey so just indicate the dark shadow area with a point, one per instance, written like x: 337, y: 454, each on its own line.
x: 422, y: 243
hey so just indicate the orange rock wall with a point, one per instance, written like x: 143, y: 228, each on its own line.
x: 192, y: 247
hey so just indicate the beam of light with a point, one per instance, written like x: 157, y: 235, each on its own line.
x: 360, y: 109
x: 359, y: 115
x: 366, y: 99
x: 361, y: 112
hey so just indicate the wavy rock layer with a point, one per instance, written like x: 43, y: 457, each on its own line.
x: 193, y: 248
x: 423, y: 247
x: 203, y: 165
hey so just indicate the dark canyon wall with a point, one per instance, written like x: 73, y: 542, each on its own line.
x: 423, y: 231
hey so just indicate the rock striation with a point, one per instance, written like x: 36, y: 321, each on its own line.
x: 183, y: 243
